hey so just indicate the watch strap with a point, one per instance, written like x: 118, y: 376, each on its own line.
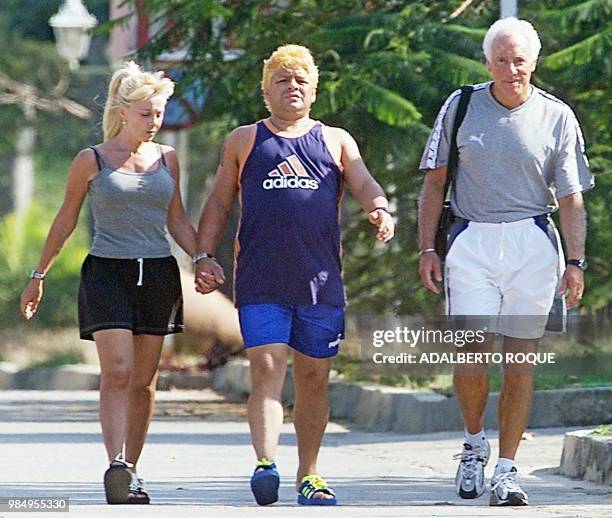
x: 580, y: 263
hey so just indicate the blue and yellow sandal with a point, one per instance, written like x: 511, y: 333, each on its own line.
x: 311, y: 485
x: 265, y: 482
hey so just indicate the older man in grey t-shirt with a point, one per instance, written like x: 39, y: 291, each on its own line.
x: 521, y: 157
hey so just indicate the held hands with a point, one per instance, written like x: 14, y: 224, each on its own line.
x: 30, y: 298
x: 384, y: 223
x: 208, y: 276
x: 429, y: 263
x: 572, y: 285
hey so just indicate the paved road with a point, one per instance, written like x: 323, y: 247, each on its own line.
x: 198, y: 460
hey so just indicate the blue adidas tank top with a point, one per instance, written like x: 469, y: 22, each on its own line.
x: 288, y: 242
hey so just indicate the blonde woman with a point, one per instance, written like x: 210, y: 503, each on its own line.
x: 130, y: 292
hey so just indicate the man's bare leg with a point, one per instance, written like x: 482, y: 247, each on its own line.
x: 310, y: 411
x: 471, y: 383
x: 516, y: 397
x: 264, y: 407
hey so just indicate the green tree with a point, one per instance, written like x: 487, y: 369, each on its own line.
x: 577, y: 67
x: 33, y: 81
x: 386, y: 67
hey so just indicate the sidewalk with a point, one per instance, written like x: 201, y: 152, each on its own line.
x: 198, y: 460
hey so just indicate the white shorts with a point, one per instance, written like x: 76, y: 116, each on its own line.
x: 505, y: 274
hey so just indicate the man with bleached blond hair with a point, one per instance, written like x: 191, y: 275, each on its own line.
x: 289, y: 171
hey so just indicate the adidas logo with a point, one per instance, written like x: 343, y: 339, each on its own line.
x: 289, y: 174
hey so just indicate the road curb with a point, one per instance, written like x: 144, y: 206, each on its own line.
x: 86, y: 377
x: 7, y: 375
x: 384, y: 409
x: 368, y: 406
x: 587, y: 457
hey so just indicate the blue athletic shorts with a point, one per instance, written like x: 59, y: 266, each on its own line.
x: 313, y: 330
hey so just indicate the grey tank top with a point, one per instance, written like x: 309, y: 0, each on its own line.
x: 130, y: 211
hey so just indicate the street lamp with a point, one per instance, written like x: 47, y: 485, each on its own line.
x: 71, y: 26
x: 509, y: 8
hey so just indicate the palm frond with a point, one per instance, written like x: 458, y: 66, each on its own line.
x: 371, y: 20
x: 386, y: 105
x: 383, y: 104
x: 475, y: 34
x: 583, y: 52
x: 372, y: 35
x: 459, y: 69
x: 345, y: 39
x: 593, y: 96
x: 465, y: 41
x: 588, y: 12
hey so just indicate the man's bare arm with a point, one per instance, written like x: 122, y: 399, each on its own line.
x: 366, y: 190
x: 209, y: 274
x: 572, y: 217
x: 430, y: 209
x: 430, y: 206
x: 219, y: 202
x: 364, y: 187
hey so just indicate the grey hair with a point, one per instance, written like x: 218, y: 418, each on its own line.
x: 512, y: 25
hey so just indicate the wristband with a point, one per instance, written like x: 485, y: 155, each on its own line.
x: 203, y: 255
x: 37, y: 275
x: 426, y: 250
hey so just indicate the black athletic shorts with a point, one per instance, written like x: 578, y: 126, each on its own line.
x: 143, y: 295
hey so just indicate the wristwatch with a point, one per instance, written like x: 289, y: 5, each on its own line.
x: 580, y: 263
x: 37, y: 275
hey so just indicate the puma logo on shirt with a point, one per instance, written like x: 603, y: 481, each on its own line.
x: 474, y: 138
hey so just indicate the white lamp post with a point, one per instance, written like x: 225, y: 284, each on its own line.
x: 71, y: 26
x: 509, y: 8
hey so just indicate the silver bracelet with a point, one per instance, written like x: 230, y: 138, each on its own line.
x: 426, y: 250
x: 203, y: 255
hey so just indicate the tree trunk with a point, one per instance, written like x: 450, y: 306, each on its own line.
x: 23, y: 168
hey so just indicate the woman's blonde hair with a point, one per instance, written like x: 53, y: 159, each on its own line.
x: 290, y: 57
x: 130, y: 84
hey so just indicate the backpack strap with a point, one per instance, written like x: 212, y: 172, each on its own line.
x: 453, y: 154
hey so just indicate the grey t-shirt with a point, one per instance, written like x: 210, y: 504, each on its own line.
x: 513, y: 163
x: 130, y: 212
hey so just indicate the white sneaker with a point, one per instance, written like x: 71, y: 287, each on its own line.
x: 506, y: 489
x: 470, y: 480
